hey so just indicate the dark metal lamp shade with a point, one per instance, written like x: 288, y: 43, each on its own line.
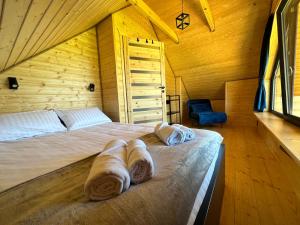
x: 91, y: 87
x: 13, y: 83
x: 183, y: 21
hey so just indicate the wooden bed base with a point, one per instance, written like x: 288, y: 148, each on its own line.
x: 210, y: 210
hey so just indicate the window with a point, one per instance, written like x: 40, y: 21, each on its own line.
x: 276, y: 93
x: 286, y: 76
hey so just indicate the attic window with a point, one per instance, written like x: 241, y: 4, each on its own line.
x: 289, y: 61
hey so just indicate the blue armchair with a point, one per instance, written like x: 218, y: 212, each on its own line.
x: 201, y: 111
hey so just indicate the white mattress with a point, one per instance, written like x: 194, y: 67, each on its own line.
x: 26, y: 159
x: 202, y: 191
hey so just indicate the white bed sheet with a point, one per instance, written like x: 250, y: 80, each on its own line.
x: 29, y: 158
x: 26, y: 159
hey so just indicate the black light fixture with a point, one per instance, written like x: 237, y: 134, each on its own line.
x: 183, y: 20
x: 91, y: 87
x: 13, y: 83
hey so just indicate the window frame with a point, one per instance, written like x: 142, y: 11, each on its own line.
x: 287, y: 101
x: 272, y: 88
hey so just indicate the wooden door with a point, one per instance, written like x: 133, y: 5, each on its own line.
x: 145, y: 80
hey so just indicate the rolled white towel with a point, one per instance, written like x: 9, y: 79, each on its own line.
x: 168, y: 134
x: 189, y: 133
x: 139, y: 162
x: 108, y: 176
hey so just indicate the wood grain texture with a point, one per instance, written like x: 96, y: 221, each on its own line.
x: 239, y: 102
x: 144, y: 94
x: 208, y: 14
x: 218, y: 105
x: 127, y: 22
x: 206, y: 60
x: 29, y: 27
x: 285, y: 133
x: 154, y: 18
x: 261, y: 182
x: 10, y: 26
x: 57, y: 78
x: 108, y: 69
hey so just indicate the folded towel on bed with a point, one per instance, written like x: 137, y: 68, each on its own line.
x: 170, y: 135
x: 139, y: 162
x: 108, y: 176
x: 189, y: 133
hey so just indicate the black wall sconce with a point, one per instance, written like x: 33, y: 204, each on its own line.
x: 91, y: 87
x: 13, y: 83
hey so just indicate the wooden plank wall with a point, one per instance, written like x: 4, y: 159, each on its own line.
x: 108, y: 69
x: 29, y: 27
x: 218, y: 105
x: 57, y: 78
x: 206, y: 60
x: 180, y: 90
x: 239, y: 102
x: 285, y: 178
x: 126, y: 22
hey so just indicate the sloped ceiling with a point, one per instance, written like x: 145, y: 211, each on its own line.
x: 28, y: 27
x: 204, y: 59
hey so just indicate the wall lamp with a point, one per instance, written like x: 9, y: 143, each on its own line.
x: 13, y: 83
x: 91, y: 87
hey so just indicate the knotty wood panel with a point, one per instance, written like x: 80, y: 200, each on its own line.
x: 57, y: 78
x: 108, y: 69
x: 261, y: 181
x: 127, y: 22
x: 206, y: 60
x: 239, y: 102
x: 29, y: 27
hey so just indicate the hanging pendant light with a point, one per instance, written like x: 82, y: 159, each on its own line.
x: 183, y: 20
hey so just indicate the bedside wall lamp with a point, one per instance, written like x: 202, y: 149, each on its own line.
x: 13, y: 83
x: 91, y: 87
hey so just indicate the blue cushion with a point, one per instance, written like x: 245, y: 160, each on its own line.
x: 201, y: 108
x: 194, y: 115
x: 206, y: 118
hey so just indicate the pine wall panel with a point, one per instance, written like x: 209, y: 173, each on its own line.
x: 58, y: 78
x: 29, y: 27
x: 126, y: 22
x: 206, y: 60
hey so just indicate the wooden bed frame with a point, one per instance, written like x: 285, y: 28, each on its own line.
x: 210, y: 210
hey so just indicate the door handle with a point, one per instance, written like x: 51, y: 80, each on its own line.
x: 162, y: 87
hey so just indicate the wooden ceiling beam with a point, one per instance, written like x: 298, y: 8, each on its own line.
x: 142, y: 7
x: 208, y: 15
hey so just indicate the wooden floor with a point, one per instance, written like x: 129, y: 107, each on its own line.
x: 257, y: 190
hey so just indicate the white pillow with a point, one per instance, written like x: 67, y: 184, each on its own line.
x: 80, y: 118
x: 28, y: 124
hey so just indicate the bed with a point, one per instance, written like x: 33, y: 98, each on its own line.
x: 41, y: 180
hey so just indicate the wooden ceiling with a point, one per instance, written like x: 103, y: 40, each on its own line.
x: 204, y: 59
x: 28, y: 27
